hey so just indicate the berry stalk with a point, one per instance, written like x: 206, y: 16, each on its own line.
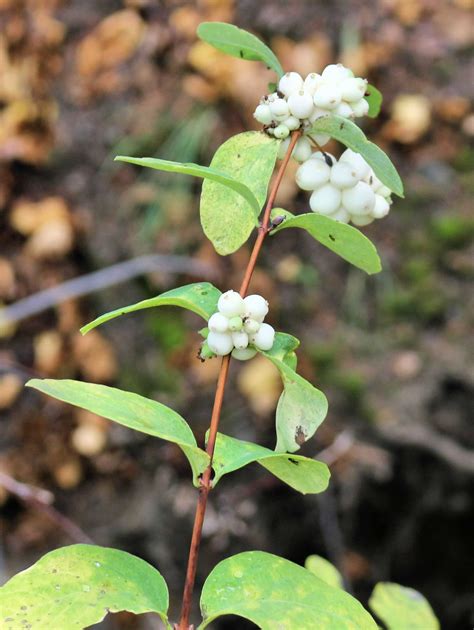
x: 206, y: 479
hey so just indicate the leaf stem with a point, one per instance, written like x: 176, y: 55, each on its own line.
x: 206, y: 480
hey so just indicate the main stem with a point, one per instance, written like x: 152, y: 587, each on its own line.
x: 205, y: 485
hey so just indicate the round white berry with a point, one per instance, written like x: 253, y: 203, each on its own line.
x: 251, y: 326
x: 218, y: 323
x: 302, y: 150
x: 360, y: 221
x: 312, y: 82
x: 327, y: 96
x: 256, y: 307
x: 240, y: 339
x: 300, y: 104
x: 235, y: 324
x: 343, y: 175
x: 264, y: 338
x: 360, y: 166
x: 325, y: 200
x: 360, y: 108
x: 231, y: 304
x: 292, y: 123
x: 290, y: 82
x: 353, y: 89
x: 281, y: 132
x: 279, y: 109
x: 381, y: 207
x: 336, y: 72
x: 341, y: 215
x: 344, y: 110
x: 263, y: 114
x: 220, y: 343
x: 243, y: 354
x: 358, y: 200
x: 312, y: 174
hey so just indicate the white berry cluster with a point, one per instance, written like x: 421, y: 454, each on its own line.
x: 238, y: 326
x: 345, y: 190
x: 298, y: 103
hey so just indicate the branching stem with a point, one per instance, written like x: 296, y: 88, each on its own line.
x: 206, y: 480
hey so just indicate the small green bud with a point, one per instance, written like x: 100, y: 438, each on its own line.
x: 235, y: 324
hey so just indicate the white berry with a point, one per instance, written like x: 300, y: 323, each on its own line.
x: 263, y: 114
x: 290, y: 82
x: 302, y: 150
x: 220, y: 343
x: 353, y: 89
x: 300, y: 104
x: 256, y: 307
x: 336, y: 72
x: 361, y: 221
x: 360, y: 166
x: 360, y: 108
x: 240, y: 340
x: 231, y: 304
x: 358, y: 200
x: 292, y: 123
x: 325, y: 200
x: 341, y: 215
x: 381, y: 207
x: 384, y: 191
x: 251, y: 326
x: 312, y: 174
x: 283, y: 148
x: 281, y: 132
x: 344, y: 110
x: 218, y: 323
x: 264, y: 338
x: 243, y: 354
x: 343, y: 175
x: 279, y: 108
x: 312, y: 82
x: 327, y: 96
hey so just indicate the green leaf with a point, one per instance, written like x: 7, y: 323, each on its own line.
x: 353, y: 137
x: 301, y: 473
x: 226, y: 217
x: 324, y: 570
x: 374, y: 98
x: 275, y: 593
x: 283, y: 349
x: 301, y: 408
x: 201, y: 298
x: 402, y: 608
x: 238, y: 43
x: 75, y: 587
x: 344, y: 240
x: 130, y: 410
x: 205, y: 172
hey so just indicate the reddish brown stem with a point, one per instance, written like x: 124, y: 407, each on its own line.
x: 206, y: 484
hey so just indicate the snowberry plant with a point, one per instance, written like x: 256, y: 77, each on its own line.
x: 76, y: 586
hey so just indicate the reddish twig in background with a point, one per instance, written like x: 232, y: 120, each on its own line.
x: 42, y: 500
x: 206, y: 479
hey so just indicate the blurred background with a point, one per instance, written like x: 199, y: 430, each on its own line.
x: 83, y: 81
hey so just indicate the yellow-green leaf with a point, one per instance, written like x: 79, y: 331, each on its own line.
x: 130, y: 410
x: 275, y: 593
x: 402, y: 608
x: 324, y: 570
x: 76, y: 586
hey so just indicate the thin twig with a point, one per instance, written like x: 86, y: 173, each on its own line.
x: 224, y: 370
x: 42, y: 500
x: 102, y: 279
